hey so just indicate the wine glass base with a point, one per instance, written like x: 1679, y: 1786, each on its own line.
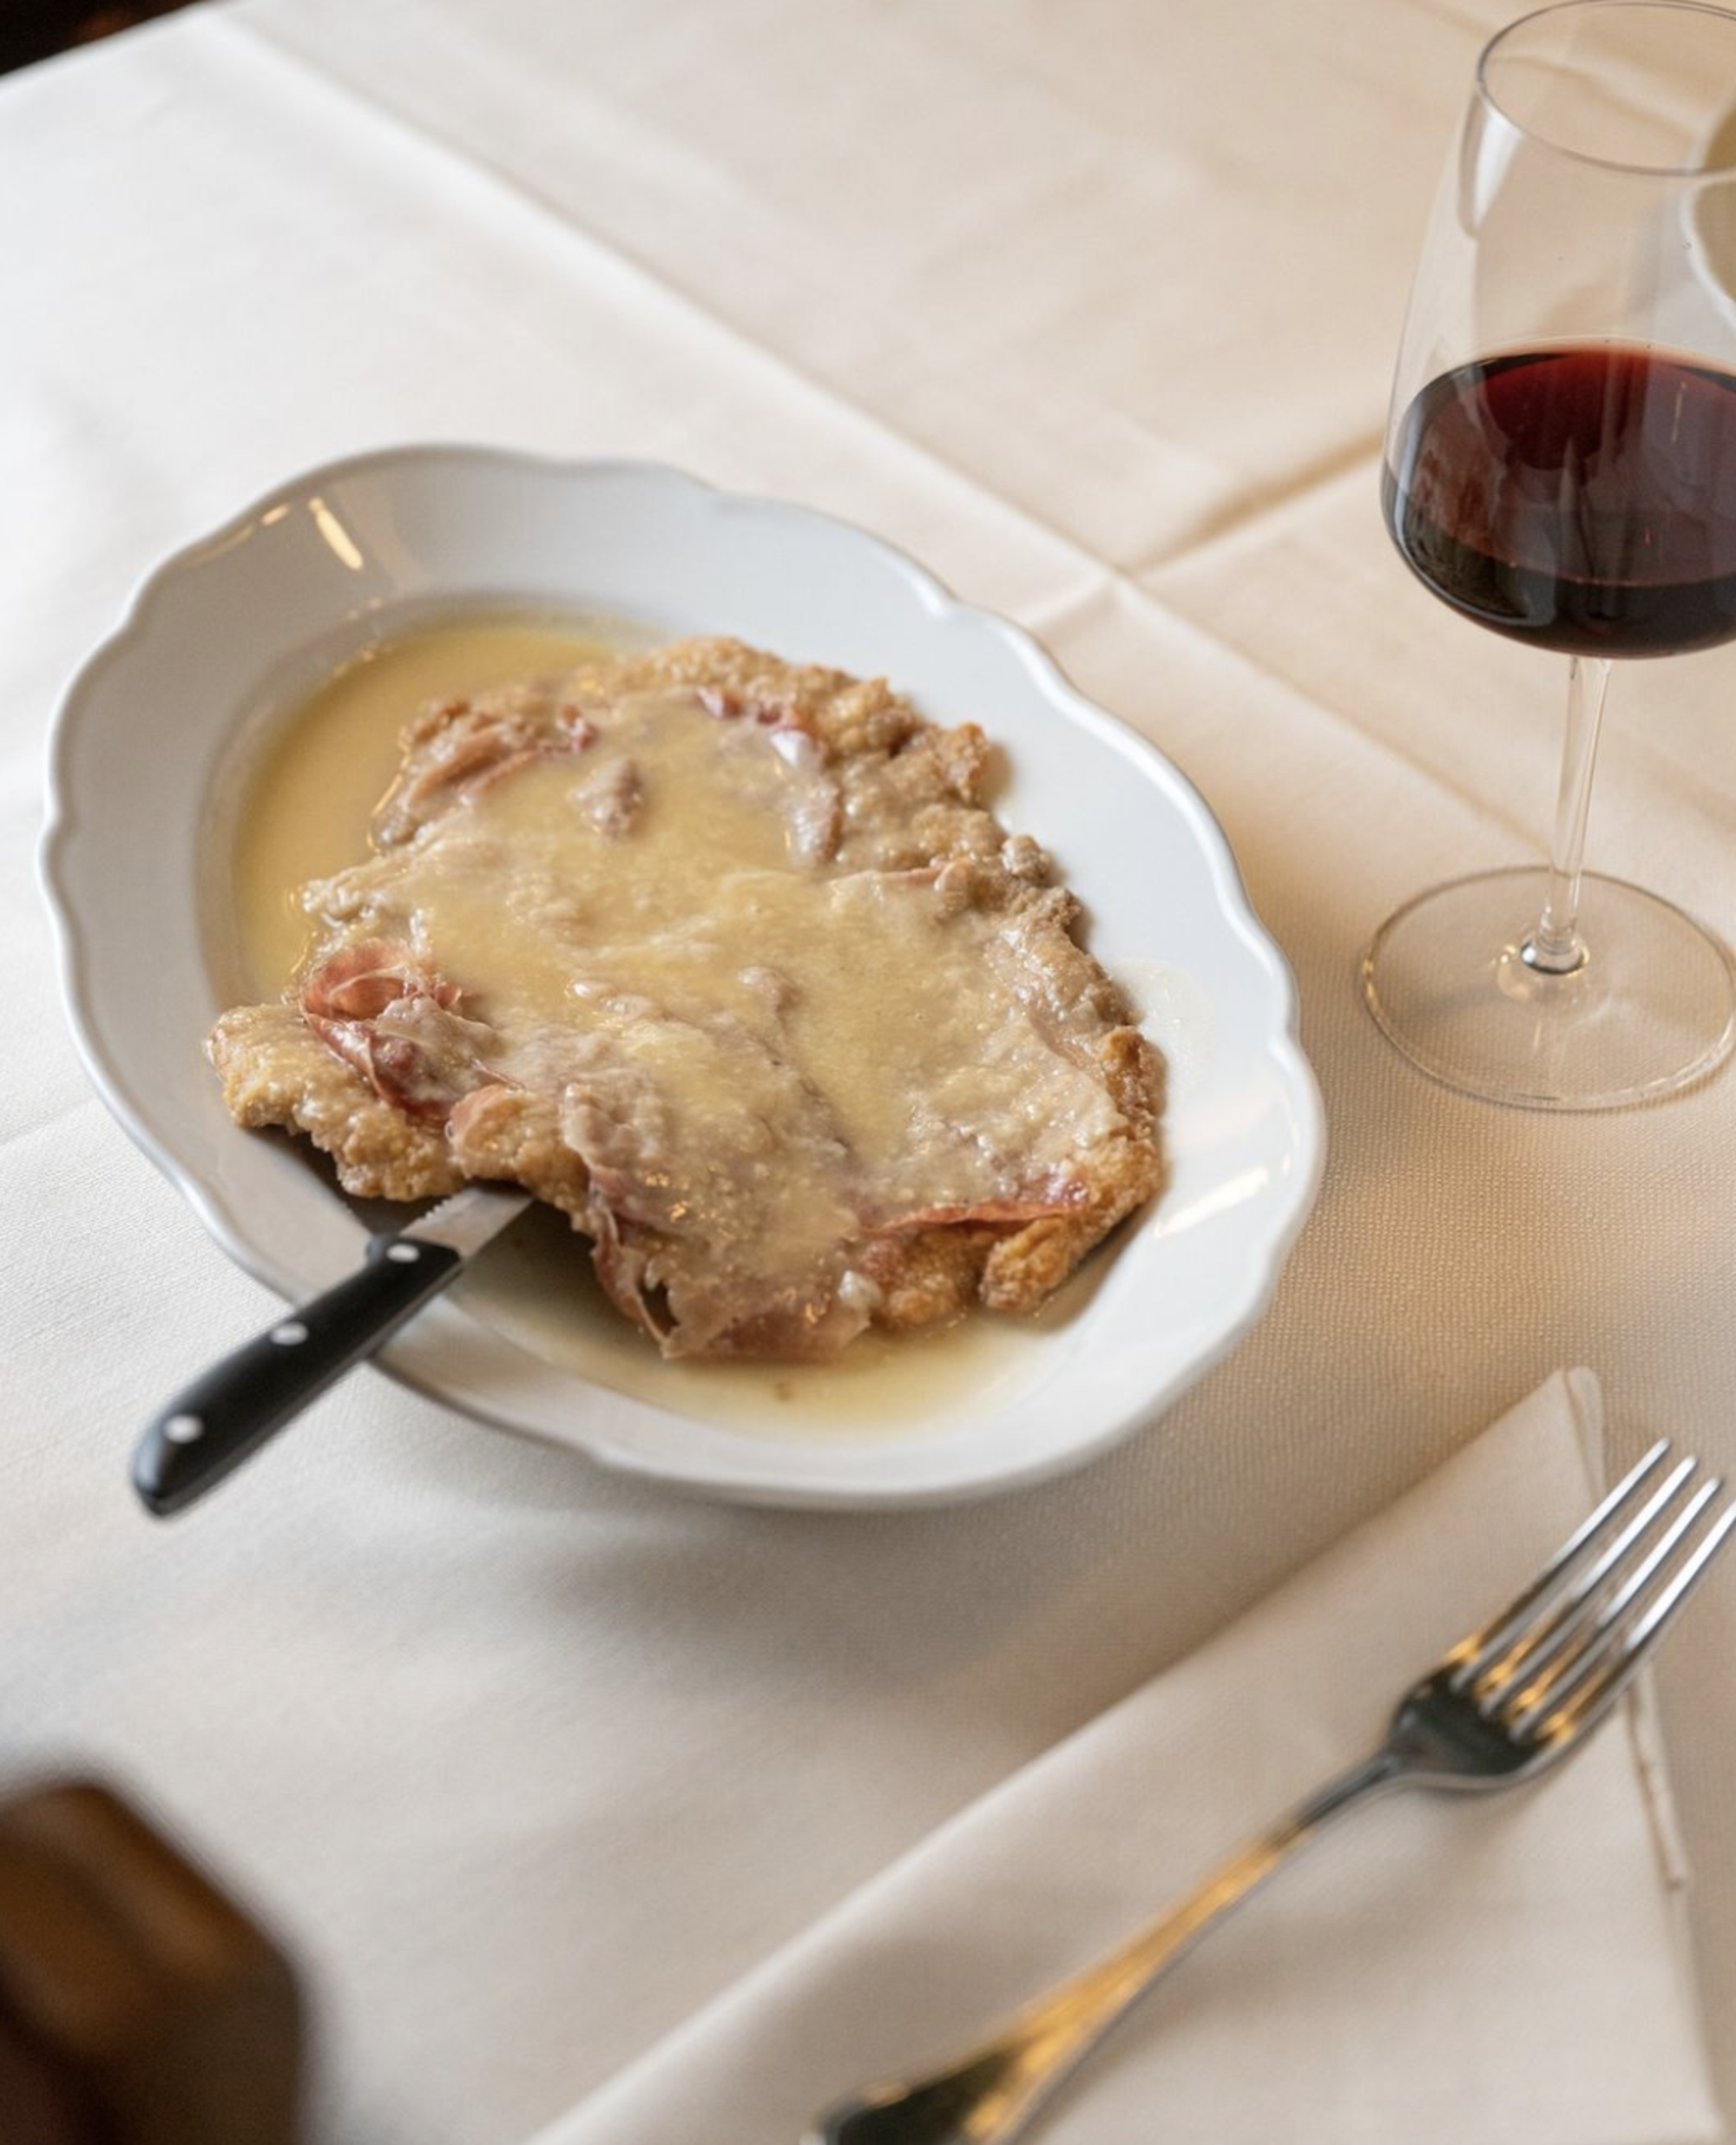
x: 1651, y: 1008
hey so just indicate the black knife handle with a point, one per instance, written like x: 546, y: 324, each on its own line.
x: 218, y: 1420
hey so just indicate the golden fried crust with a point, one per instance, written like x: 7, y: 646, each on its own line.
x: 926, y: 1276
x: 276, y: 1071
x: 511, y: 1133
x: 1025, y: 1269
x: 930, y: 781
x: 849, y: 715
x: 929, y: 1274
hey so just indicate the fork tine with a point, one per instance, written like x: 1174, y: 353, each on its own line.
x: 1570, y: 1663
x: 1473, y: 1656
x: 1562, y: 1635
x: 1590, y: 1692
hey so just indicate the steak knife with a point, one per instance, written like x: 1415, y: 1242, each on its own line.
x: 215, y: 1423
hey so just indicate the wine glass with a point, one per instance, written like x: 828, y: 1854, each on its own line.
x: 1561, y: 467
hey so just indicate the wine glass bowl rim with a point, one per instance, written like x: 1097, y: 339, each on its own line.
x: 1503, y: 46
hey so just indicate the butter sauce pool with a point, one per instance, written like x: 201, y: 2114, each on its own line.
x: 307, y: 808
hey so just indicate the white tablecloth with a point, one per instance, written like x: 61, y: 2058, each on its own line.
x: 1092, y: 310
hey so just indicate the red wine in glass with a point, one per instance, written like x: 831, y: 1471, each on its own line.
x: 1580, y: 499
x: 1560, y: 469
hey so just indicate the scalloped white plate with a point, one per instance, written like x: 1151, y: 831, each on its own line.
x: 151, y: 750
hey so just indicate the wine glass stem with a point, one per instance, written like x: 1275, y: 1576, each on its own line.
x: 1555, y: 946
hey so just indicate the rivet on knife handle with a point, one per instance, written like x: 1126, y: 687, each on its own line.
x: 218, y: 1420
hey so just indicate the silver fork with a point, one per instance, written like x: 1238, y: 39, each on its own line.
x: 1505, y: 1703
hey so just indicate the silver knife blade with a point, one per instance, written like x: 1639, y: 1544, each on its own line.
x: 470, y: 1219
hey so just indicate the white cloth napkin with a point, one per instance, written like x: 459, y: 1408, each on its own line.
x: 1512, y: 1969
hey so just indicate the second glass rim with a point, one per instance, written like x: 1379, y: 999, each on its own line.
x: 1721, y: 170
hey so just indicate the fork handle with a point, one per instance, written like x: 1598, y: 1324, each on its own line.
x: 991, y: 2095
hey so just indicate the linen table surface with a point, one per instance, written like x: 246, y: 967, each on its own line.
x: 1092, y: 310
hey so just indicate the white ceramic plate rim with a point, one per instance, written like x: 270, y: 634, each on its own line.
x: 445, y: 1353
